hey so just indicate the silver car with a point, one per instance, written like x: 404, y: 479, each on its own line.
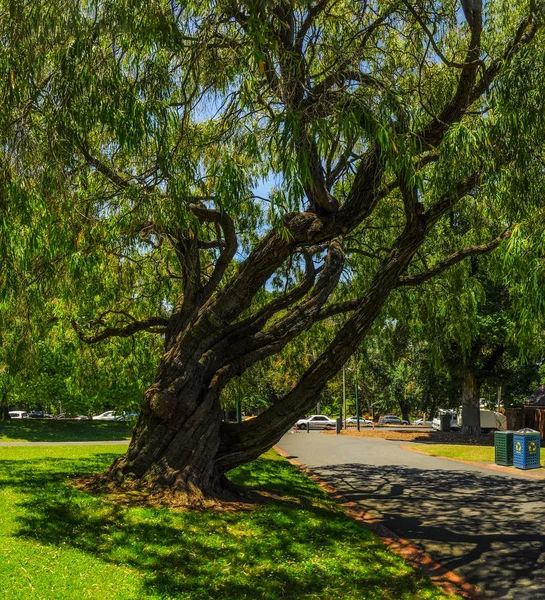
x: 316, y: 422
x: 354, y: 421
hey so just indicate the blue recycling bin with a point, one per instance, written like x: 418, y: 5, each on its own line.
x: 526, y: 444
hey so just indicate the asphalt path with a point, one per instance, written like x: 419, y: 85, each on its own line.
x: 486, y: 526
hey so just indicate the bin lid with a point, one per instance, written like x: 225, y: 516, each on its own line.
x: 504, y: 432
x: 526, y: 431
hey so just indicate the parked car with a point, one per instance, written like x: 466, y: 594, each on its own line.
x: 69, y: 417
x: 422, y: 422
x: 36, y: 414
x: 316, y: 422
x: 392, y: 420
x: 18, y: 414
x: 109, y: 415
x: 127, y: 417
x: 354, y: 421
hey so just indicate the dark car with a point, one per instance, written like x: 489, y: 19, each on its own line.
x: 128, y: 417
x: 36, y: 414
x: 392, y: 420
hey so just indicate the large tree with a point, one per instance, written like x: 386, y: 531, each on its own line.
x: 144, y: 131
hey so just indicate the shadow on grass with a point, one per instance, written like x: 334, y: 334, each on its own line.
x: 456, y: 438
x: 280, y: 550
x: 49, y: 430
x: 424, y: 437
x: 488, y: 526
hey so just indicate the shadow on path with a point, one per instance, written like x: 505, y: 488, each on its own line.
x: 488, y: 528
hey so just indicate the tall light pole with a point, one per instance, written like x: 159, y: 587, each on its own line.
x: 357, y: 399
x: 344, y: 399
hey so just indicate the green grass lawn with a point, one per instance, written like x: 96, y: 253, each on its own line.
x: 49, y: 430
x: 473, y: 453
x: 58, y: 542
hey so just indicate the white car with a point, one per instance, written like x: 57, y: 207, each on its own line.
x: 422, y: 422
x: 109, y: 415
x: 354, y: 421
x: 316, y: 422
x: 18, y: 414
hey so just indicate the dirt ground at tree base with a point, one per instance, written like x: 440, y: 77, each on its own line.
x: 425, y: 437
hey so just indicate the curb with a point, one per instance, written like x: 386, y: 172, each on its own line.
x: 448, y: 581
x: 490, y: 467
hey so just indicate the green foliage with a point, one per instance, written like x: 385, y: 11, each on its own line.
x: 48, y: 368
x: 119, y: 116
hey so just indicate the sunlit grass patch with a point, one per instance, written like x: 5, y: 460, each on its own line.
x: 471, y: 453
x: 50, y: 430
x: 59, y: 542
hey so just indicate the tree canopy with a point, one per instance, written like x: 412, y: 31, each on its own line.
x: 228, y: 175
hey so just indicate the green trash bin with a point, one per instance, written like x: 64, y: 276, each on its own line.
x: 503, y: 448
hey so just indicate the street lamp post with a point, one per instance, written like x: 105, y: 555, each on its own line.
x: 343, y: 415
x: 357, y: 400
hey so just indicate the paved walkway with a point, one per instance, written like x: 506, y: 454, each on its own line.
x: 486, y: 526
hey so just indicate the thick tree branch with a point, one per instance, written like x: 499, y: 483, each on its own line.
x: 409, y: 194
x: 228, y: 251
x: 338, y: 309
x: 526, y: 32
x: 245, y: 350
x: 453, y: 259
x: 450, y: 199
x: 102, y: 168
x: 258, y: 320
x: 312, y: 13
x: 152, y: 325
x: 196, y: 293
x: 469, y: 90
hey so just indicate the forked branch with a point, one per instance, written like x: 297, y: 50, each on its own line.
x: 453, y: 259
x: 151, y: 325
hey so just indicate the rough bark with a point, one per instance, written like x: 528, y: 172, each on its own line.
x: 4, y: 408
x: 470, y: 404
x: 405, y: 408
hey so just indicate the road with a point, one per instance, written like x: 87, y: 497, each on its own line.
x: 486, y: 526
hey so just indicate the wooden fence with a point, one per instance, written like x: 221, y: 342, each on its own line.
x: 527, y: 416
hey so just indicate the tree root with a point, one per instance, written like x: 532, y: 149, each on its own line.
x: 226, y: 496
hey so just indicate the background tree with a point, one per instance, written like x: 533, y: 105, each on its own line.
x: 150, y: 126
x: 468, y: 322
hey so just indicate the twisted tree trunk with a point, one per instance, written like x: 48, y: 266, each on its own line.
x: 471, y: 417
x: 4, y: 407
x: 180, y: 444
